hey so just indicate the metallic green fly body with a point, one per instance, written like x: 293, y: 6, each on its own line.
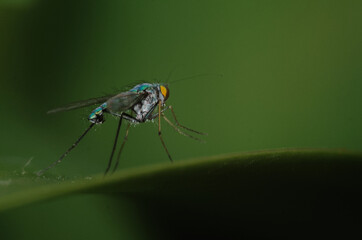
x: 137, y: 105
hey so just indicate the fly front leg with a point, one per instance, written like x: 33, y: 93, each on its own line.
x: 159, y: 130
x: 155, y: 115
x: 181, y: 126
x: 179, y: 130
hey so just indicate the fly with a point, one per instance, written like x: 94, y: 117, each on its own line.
x: 137, y: 105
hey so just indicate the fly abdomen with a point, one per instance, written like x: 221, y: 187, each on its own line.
x: 97, y: 115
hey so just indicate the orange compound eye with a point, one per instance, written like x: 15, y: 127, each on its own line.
x: 165, y: 92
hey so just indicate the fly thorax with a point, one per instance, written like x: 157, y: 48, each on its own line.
x: 146, y: 105
x: 138, y: 110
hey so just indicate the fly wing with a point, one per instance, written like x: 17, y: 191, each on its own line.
x: 124, y: 101
x: 81, y: 104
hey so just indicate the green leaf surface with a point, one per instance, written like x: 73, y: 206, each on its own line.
x: 245, y: 178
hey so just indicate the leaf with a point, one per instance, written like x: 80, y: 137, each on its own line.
x: 241, y: 178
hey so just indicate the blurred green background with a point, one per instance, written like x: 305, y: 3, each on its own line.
x: 291, y: 78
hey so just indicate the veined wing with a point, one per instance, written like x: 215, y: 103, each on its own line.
x: 124, y: 101
x: 81, y: 104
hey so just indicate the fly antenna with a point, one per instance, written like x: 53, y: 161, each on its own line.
x: 170, y: 74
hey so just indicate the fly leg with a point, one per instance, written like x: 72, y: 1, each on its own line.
x: 126, y: 117
x: 155, y: 115
x: 66, y: 153
x: 159, y: 130
x: 178, y: 125
x: 114, y: 145
x: 181, y: 126
x: 121, y: 117
x: 120, y: 150
x: 179, y: 130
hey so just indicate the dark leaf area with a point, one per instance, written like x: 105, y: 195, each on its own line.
x: 291, y: 193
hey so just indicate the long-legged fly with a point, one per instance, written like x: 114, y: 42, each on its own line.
x: 137, y: 105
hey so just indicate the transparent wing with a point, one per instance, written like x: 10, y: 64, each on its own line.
x: 124, y: 101
x: 81, y: 104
